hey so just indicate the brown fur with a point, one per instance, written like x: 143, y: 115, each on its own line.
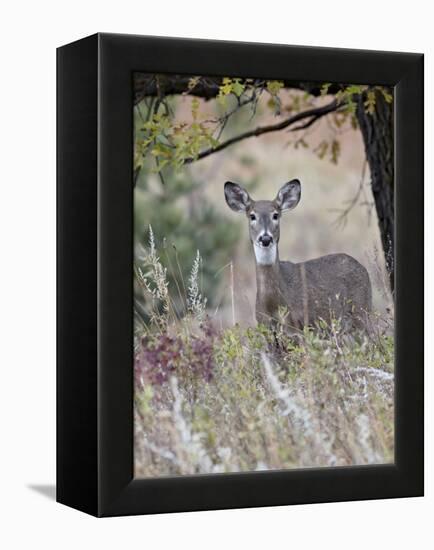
x: 336, y: 285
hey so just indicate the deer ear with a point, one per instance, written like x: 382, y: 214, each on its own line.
x: 237, y: 198
x: 289, y: 195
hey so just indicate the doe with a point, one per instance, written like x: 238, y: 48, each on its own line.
x: 332, y: 286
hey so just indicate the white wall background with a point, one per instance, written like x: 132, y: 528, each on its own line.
x: 30, y: 32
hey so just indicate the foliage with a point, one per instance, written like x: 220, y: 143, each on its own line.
x: 345, y: 117
x: 230, y: 86
x: 204, y: 228
x: 240, y: 399
x: 176, y: 207
x: 188, y: 356
x: 172, y: 143
x: 211, y: 399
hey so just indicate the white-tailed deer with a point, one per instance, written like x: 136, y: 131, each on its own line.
x: 335, y: 285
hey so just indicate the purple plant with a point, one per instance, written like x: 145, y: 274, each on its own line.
x: 202, y: 360
x: 161, y: 355
x: 157, y: 358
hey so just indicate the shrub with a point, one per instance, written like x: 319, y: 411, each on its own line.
x: 239, y: 399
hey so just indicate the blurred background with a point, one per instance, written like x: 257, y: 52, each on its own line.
x: 187, y: 210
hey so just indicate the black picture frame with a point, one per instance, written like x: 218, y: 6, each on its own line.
x: 94, y: 275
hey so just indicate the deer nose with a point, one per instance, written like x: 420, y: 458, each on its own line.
x: 265, y: 240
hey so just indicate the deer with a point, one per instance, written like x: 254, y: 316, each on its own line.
x: 335, y: 286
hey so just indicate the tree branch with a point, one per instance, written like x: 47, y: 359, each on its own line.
x: 312, y: 114
x: 149, y: 85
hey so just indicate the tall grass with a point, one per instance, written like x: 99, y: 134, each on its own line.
x: 211, y: 400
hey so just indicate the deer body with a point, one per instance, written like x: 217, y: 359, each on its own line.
x: 332, y: 286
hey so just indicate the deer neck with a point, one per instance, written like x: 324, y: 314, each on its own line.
x: 268, y: 286
x: 267, y: 267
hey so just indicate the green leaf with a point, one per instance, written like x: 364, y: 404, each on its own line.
x: 226, y: 87
x: 224, y: 90
x: 387, y: 96
x: 237, y: 87
x: 335, y: 151
x: 350, y: 107
x: 193, y: 82
x: 274, y: 86
x: 370, y: 102
x: 325, y: 88
x: 322, y: 148
x: 354, y: 89
x: 195, y: 108
x: 213, y: 142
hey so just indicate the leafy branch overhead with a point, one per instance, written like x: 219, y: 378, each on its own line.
x: 172, y: 142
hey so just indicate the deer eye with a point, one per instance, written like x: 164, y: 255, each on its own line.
x: 275, y: 216
x: 252, y: 217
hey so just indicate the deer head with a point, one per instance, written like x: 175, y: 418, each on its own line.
x: 264, y: 216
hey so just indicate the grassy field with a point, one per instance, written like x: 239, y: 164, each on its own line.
x: 210, y: 399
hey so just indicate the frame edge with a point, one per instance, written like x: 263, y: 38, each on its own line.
x: 76, y: 446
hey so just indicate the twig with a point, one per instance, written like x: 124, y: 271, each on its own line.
x: 226, y: 116
x: 341, y: 220
x: 316, y: 113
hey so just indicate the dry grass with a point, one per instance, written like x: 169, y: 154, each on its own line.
x: 211, y: 400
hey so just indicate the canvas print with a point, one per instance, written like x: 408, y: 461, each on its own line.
x: 263, y: 274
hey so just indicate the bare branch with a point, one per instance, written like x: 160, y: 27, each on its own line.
x: 311, y: 114
x: 241, y: 103
x: 341, y: 220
